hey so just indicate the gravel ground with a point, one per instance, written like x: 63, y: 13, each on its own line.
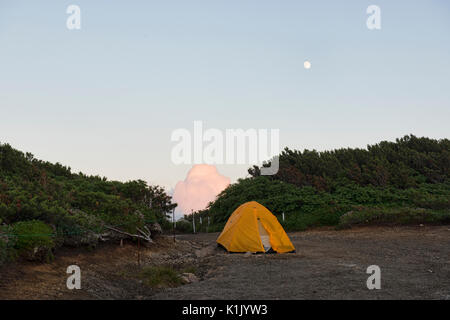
x: 414, y: 263
x: 328, y: 264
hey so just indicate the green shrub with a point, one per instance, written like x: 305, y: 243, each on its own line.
x: 184, y: 226
x: 78, y: 228
x: 33, y: 240
x: 7, y: 251
x: 76, y: 204
x: 299, y: 221
x: 166, y: 224
x: 313, y: 188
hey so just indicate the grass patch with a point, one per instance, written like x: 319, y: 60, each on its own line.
x: 189, y: 269
x: 392, y: 216
x: 160, y: 277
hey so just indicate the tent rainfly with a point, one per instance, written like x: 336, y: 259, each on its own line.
x: 253, y: 228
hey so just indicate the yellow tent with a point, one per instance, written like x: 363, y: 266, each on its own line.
x: 253, y: 228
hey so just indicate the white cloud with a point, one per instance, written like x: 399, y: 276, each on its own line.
x: 202, y: 184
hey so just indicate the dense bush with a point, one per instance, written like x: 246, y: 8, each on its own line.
x: 316, y: 188
x: 34, y: 239
x: 406, y: 163
x: 184, y: 226
x: 76, y: 206
x: 7, y: 243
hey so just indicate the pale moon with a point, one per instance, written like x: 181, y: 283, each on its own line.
x: 307, y: 64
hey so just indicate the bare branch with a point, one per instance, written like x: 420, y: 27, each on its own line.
x: 143, y: 235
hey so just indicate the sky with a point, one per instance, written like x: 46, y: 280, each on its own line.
x: 106, y: 98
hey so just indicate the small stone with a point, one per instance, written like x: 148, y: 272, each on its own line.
x: 204, y: 252
x: 189, y: 277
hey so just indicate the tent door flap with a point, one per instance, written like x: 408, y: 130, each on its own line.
x: 265, y: 238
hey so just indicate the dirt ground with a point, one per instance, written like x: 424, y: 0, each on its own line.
x: 328, y: 264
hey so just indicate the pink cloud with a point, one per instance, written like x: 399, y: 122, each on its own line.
x: 202, y: 184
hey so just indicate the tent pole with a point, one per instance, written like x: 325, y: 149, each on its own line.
x: 193, y: 220
x: 173, y: 224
